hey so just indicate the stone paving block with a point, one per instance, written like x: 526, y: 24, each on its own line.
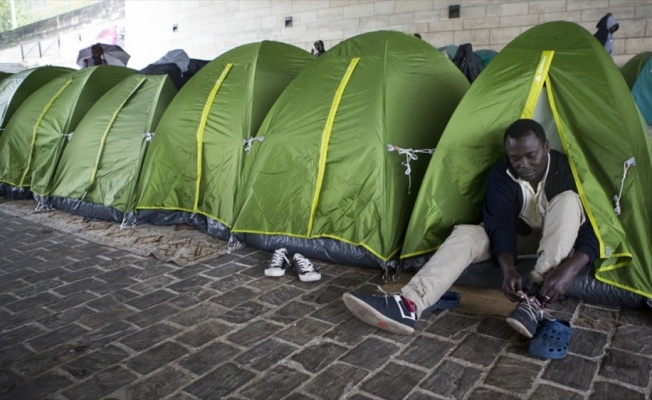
x: 6, y: 298
x: 117, y: 274
x: 318, y: 356
x: 548, y: 392
x: 189, y: 284
x: 635, y: 339
x: 418, y: 395
x: 153, y: 315
x: 48, y: 359
x: 153, y: 284
x: 222, y: 260
x: 46, y: 275
x: 114, y: 286
x: 148, y: 337
x: 335, y: 381
x: 36, y: 288
x: 156, y: 357
x: 151, y: 299
x: 189, y: 271
x: 255, y: 258
x: 426, y: 351
x: 266, y: 354
x: 280, y: 295
x: 66, y: 317
x: 38, y: 388
x: 56, y: 337
x: 609, y: 391
x: 220, y: 383
x: 453, y: 326
x: 497, y: 328
x: 292, y: 312
x: 277, y: 383
x: 324, y: 295
x: 254, y: 333
x: 13, y: 337
x: 14, y: 354
x: 642, y: 318
x: 9, y: 285
x: 370, y: 354
x: 96, y: 361
x: 77, y: 275
x: 230, y: 282
x: 77, y: 286
x: 8, y: 380
x: 73, y: 300
x: 451, y: 379
x: 235, y: 297
x: 243, y: 313
x: 486, y: 393
x: 29, y: 303
x: 193, y: 297
x: 351, y: 279
x: 101, y: 384
x: 198, y: 314
x: 224, y: 270
x: 303, y: 331
x: 204, y: 333
x: 107, y: 317
x: 158, y: 385
x: 393, y: 381
x: 333, y: 313
x: 479, y: 349
x: 513, y: 375
x: 572, y: 371
x: 587, y: 343
x: 595, y: 318
x: 111, y: 300
x: 209, y: 357
x: 626, y: 367
x: 110, y: 333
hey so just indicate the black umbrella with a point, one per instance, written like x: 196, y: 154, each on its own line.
x: 112, y: 54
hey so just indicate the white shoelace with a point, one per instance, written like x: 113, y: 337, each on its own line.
x: 534, y: 310
x: 305, y: 265
x: 277, y: 259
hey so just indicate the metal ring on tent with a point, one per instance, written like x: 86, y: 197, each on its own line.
x: 629, y: 163
x: 410, y: 154
x: 67, y: 135
x: 249, y: 142
x: 148, y: 136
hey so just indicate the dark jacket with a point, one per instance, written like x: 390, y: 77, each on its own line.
x: 504, y: 200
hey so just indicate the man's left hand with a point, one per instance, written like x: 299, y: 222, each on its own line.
x: 557, y: 281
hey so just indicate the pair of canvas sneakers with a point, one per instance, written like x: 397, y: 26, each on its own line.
x: 301, y: 265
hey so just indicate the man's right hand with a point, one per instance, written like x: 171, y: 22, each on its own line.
x: 512, y: 281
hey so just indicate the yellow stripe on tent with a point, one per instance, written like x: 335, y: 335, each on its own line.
x: 540, y: 76
x: 202, y: 127
x: 37, y: 125
x: 325, y: 138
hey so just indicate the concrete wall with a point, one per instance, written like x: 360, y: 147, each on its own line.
x: 205, y: 29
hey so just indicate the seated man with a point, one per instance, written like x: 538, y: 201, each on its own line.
x: 531, y: 203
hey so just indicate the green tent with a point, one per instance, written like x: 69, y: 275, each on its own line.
x: 558, y: 74
x: 100, y: 165
x: 15, y: 88
x: 633, y: 67
x: 191, y: 173
x: 342, y: 152
x: 32, y: 143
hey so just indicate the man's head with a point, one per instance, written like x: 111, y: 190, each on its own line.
x: 527, y: 149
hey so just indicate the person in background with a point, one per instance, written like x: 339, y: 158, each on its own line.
x: 97, y: 56
x: 607, y: 26
x: 319, y: 49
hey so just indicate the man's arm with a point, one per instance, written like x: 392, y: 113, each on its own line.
x: 558, y: 280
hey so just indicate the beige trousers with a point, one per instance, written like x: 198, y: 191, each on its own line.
x: 469, y: 244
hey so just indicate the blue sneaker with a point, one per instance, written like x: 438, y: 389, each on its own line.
x: 525, y: 318
x: 393, y: 312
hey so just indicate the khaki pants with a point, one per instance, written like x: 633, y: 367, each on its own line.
x: 469, y: 244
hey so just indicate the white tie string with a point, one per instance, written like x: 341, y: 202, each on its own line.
x: 626, y: 165
x: 410, y: 155
x: 249, y: 142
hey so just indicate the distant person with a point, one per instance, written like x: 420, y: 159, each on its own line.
x: 319, y: 49
x: 97, y: 56
x: 417, y: 35
x: 607, y: 26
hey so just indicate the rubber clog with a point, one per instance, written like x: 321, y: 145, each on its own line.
x: 450, y: 299
x: 551, y: 340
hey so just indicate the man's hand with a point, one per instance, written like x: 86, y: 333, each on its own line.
x: 558, y: 280
x: 512, y: 281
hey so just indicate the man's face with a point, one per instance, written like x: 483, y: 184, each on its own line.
x: 528, y: 157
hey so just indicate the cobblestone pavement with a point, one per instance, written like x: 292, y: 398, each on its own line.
x: 83, y: 321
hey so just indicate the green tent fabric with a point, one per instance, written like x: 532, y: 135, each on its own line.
x: 16, y: 88
x: 633, y: 67
x: 31, y: 144
x: 192, y: 171
x: 99, y: 168
x: 588, y: 113
x: 337, y: 161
